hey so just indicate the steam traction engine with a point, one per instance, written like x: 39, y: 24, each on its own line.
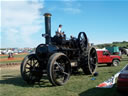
x: 58, y: 57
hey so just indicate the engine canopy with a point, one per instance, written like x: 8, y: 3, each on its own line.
x: 44, y: 51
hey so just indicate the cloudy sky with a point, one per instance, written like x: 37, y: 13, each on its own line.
x: 22, y: 21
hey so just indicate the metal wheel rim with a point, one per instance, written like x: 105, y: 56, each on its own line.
x: 32, y: 69
x: 93, y: 60
x: 60, y: 70
x: 115, y: 62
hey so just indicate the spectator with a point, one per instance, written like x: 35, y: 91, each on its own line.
x: 10, y: 54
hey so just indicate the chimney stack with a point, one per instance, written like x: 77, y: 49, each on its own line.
x: 47, y: 28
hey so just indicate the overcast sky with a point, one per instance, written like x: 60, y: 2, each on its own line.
x: 22, y: 21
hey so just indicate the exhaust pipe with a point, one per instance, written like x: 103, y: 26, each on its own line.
x: 47, y: 28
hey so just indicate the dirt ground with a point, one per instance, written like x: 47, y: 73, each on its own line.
x: 11, y: 59
x: 12, y: 67
x: 16, y: 60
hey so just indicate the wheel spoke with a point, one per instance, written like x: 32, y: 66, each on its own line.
x: 81, y: 38
x: 27, y: 71
x: 36, y: 62
x: 56, y: 70
x: 29, y: 64
x: 30, y: 61
x: 60, y: 67
x: 66, y: 73
x: 33, y: 62
x: 27, y: 67
x: 93, y: 52
x: 34, y: 65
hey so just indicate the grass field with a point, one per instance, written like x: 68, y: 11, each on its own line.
x: 11, y: 83
x: 121, y: 44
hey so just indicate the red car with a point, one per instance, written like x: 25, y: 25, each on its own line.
x: 122, y: 81
x: 104, y: 57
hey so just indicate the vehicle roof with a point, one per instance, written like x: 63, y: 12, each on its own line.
x: 101, y: 50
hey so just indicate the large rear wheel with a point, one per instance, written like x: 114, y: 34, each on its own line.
x: 58, y: 69
x: 90, y: 62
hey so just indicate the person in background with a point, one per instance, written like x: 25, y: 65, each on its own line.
x: 10, y: 54
x: 72, y: 37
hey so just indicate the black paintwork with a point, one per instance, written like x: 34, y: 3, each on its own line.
x: 56, y: 44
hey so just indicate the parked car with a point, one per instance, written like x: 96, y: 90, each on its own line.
x: 4, y: 52
x: 122, y: 81
x: 123, y: 51
x: 126, y: 51
x: 104, y: 57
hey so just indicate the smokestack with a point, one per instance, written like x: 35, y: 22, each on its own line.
x: 47, y: 28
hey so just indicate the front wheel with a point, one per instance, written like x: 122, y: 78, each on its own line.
x: 115, y: 62
x: 30, y: 69
x: 58, y: 69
